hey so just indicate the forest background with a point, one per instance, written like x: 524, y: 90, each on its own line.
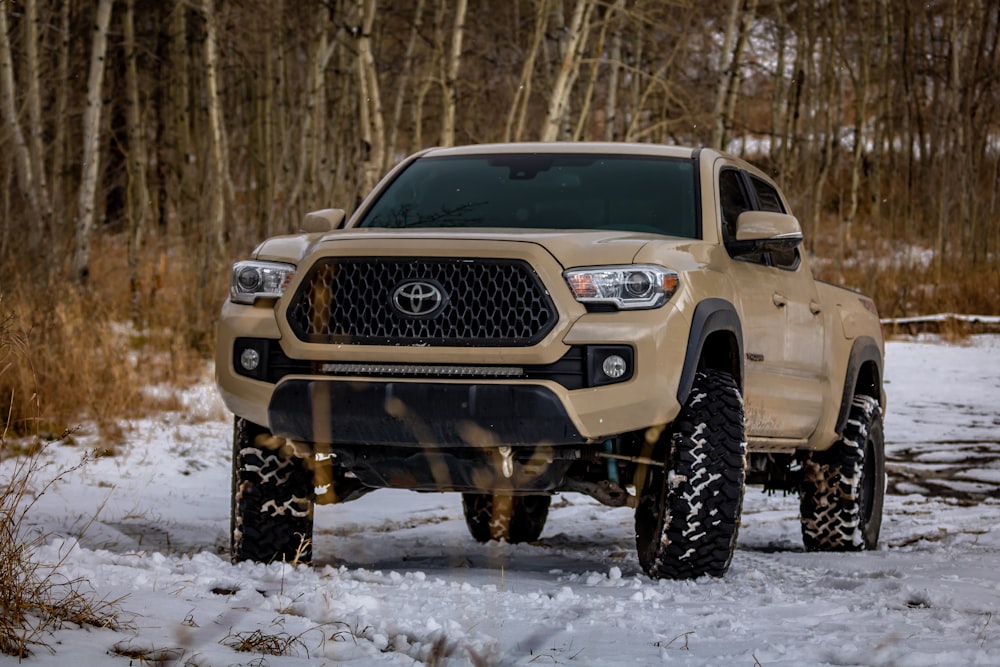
x: 149, y: 143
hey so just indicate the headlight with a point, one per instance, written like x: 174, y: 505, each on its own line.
x: 625, y: 287
x: 251, y: 280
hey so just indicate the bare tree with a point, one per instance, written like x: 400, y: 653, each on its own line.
x: 313, y: 108
x: 882, y: 114
x: 516, y: 118
x: 569, y: 69
x: 451, y: 75
x: 739, y: 18
x: 405, y: 76
x: 372, y: 123
x: 80, y: 266
x: 219, y: 160
x: 138, y: 192
x: 22, y: 156
x: 36, y: 130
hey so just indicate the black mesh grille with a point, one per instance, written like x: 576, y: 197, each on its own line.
x: 486, y: 303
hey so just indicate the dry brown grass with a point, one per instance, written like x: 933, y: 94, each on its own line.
x: 265, y: 643
x: 74, y: 354
x: 35, y: 597
x: 905, y: 279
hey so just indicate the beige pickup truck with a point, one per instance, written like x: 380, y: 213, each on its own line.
x: 634, y: 322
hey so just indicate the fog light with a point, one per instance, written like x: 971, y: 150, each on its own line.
x: 614, y: 366
x: 250, y: 359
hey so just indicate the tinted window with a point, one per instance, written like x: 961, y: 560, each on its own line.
x: 734, y: 201
x: 543, y: 191
x: 767, y: 196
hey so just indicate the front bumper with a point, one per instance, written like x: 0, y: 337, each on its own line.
x: 419, y: 413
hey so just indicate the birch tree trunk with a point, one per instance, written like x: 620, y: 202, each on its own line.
x: 313, y: 107
x: 568, y: 71
x: 514, y: 130
x: 725, y: 72
x: 373, y: 125
x: 80, y: 267
x: 451, y: 75
x: 611, y: 121
x: 738, y: 24
x: 584, y: 120
x: 219, y: 154
x: 779, y: 140
x: 22, y: 156
x: 403, y: 87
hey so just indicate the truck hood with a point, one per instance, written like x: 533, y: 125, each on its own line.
x: 569, y: 248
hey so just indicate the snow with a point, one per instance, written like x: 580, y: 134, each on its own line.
x: 398, y: 580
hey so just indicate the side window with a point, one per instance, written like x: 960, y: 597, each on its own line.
x: 767, y: 196
x: 768, y: 200
x: 734, y: 201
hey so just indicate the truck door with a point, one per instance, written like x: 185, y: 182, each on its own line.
x: 783, y: 338
x: 803, y: 366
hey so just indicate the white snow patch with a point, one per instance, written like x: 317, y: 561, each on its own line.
x: 398, y: 580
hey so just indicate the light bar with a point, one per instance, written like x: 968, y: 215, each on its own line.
x: 409, y: 369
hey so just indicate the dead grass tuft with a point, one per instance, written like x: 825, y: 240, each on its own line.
x: 74, y: 353
x: 904, y: 278
x: 35, y: 598
x: 264, y: 643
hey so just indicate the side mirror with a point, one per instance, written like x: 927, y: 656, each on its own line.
x: 765, y: 230
x: 325, y: 220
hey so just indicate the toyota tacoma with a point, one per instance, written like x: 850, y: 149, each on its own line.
x: 634, y: 322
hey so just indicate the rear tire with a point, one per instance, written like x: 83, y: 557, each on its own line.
x: 272, y: 498
x: 514, y: 519
x: 843, y: 488
x: 688, y: 514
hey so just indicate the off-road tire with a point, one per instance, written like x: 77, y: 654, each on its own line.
x: 688, y: 513
x: 272, y: 499
x: 514, y: 519
x: 843, y: 488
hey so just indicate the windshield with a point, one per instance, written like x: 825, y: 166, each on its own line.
x: 542, y: 191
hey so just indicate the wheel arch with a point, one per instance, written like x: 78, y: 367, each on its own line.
x: 862, y: 377
x: 715, y: 342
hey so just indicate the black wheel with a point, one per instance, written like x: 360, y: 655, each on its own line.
x: 272, y: 501
x: 515, y: 519
x: 843, y: 488
x: 688, y: 513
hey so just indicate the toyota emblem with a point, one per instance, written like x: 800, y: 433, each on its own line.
x: 418, y: 298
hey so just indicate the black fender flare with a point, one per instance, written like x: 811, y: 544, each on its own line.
x: 710, y: 316
x: 864, y: 350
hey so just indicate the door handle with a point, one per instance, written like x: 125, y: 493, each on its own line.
x: 779, y: 300
x: 814, y: 307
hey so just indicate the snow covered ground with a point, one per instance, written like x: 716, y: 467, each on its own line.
x: 398, y: 580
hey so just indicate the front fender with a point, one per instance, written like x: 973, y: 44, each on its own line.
x: 712, y: 316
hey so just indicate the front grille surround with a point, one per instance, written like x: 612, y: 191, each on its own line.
x: 488, y: 303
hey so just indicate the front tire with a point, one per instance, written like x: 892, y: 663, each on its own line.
x: 272, y: 498
x: 843, y: 488
x: 515, y: 519
x: 689, y: 511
